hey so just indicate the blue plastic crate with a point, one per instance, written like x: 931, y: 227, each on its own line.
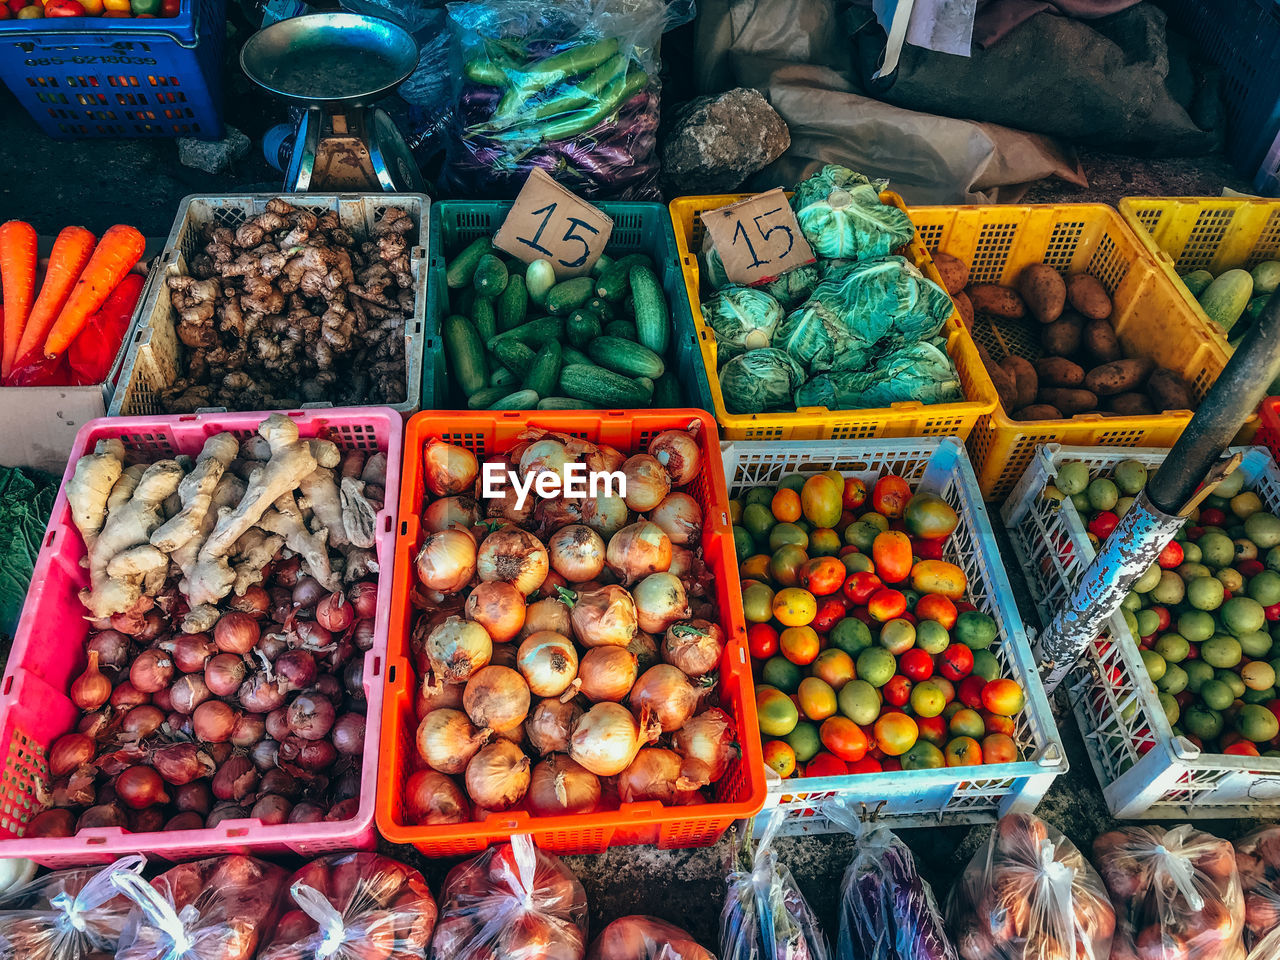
x: 95, y: 77
x: 637, y: 228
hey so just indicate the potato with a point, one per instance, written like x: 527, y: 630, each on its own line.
x: 1006, y: 387
x: 1069, y: 401
x: 1025, y: 381
x: 1043, y: 291
x: 1059, y: 372
x: 1168, y: 391
x: 1100, y: 341
x: 998, y: 301
x: 954, y: 271
x: 1119, y: 376
x: 1038, y: 411
x: 1130, y: 405
x: 964, y: 307
x: 1089, y: 296
x: 1060, y: 338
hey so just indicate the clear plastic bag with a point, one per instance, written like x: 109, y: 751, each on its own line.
x: 1258, y: 862
x: 1176, y: 894
x: 66, y: 915
x: 570, y: 87
x: 765, y: 916
x: 354, y: 906
x: 1029, y: 894
x: 217, y: 909
x: 512, y: 902
x: 646, y: 938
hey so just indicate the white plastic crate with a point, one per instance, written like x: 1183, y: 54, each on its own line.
x: 151, y: 363
x: 1145, y: 771
x: 921, y: 798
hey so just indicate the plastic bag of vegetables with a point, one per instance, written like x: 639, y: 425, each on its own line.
x: 571, y: 87
x: 512, y: 902
x: 743, y: 318
x: 66, y: 915
x: 645, y: 938
x: 1176, y: 893
x: 920, y: 372
x: 1258, y: 861
x: 841, y: 215
x: 216, y: 909
x: 765, y: 916
x: 760, y: 380
x: 354, y: 906
x: 1030, y: 895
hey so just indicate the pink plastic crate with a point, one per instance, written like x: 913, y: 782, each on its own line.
x: 48, y: 653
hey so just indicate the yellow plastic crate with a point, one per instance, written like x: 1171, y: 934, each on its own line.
x: 1149, y: 317
x: 907, y: 419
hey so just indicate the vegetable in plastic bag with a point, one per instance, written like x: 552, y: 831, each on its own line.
x: 1258, y: 862
x: 920, y: 372
x: 66, y: 915
x: 760, y: 380
x: 354, y: 906
x: 841, y: 215
x: 743, y: 318
x: 1029, y: 894
x: 765, y: 916
x: 215, y: 909
x: 1176, y: 894
x: 512, y: 902
x: 645, y: 938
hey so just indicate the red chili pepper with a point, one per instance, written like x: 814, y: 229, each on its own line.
x: 94, y: 349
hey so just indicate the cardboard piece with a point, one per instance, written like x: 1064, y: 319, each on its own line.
x: 547, y: 222
x: 758, y: 239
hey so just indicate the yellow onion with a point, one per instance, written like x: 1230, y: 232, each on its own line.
x: 660, y: 601
x: 462, y: 512
x: 638, y: 550
x: 447, y: 560
x: 551, y: 514
x: 695, y: 646
x: 447, y: 740
x: 680, y: 518
x: 605, y: 515
x: 607, y: 673
x: 431, y: 797
x: 709, y: 739
x: 645, y: 647
x: 498, y: 607
x: 550, y: 725
x: 544, y: 456
x: 504, y: 655
x: 596, y: 457
x: 560, y: 785
x: 456, y: 649
x: 550, y: 613
x: 607, y: 737
x: 666, y: 691
x: 576, y: 553
x: 658, y: 774
x: 604, y: 617
x: 682, y: 563
x: 496, y: 697
x: 647, y: 482
x: 432, y: 696
x: 548, y: 662
x: 498, y: 776
x: 513, y: 733
x: 448, y: 470
x: 678, y: 452
x: 513, y: 555
x: 504, y: 506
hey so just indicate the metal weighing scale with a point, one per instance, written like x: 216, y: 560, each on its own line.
x: 333, y: 67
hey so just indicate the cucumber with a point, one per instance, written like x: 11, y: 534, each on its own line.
x: 666, y: 391
x: 539, y: 278
x: 615, y: 283
x: 601, y: 307
x: 482, y: 316
x: 520, y: 400
x: 534, y: 333
x: 1266, y: 277
x: 601, y: 265
x: 582, y: 327
x: 562, y: 403
x: 601, y: 387
x: 463, y: 268
x: 502, y: 377
x: 1197, y: 280
x: 545, y: 372
x: 481, y: 399
x: 653, y: 319
x: 462, y: 301
x: 622, y: 328
x: 515, y: 356
x: 513, y: 305
x: 1224, y: 300
x: 466, y: 353
x: 569, y: 295
x: 490, y: 278
x: 570, y: 354
x: 625, y: 357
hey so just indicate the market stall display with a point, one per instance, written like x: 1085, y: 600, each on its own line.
x: 75, y: 914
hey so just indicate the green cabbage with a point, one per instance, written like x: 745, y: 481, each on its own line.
x: 919, y: 371
x: 760, y: 380
x: 743, y: 319
x: 713, y: 267
x: 815, y: 337
x: 841, y: 215
x: 26, y: 500
x: 795, y: 286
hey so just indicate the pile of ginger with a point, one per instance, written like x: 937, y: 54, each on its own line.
x: 212, y: 525
x: 288, y: 308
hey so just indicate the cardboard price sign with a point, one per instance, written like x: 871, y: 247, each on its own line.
x: 547, y: 222
x: 758, y: 238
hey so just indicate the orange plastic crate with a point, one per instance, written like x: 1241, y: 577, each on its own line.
x: 741, y: 793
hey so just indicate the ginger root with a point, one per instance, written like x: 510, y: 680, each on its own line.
x: 95, y: 475
x: 196, y: 492
x: 359, y: 518
x: 320, y: 491
x: 253, y: 552
x: 286, y: 520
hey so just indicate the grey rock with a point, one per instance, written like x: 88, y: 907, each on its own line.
x: 213, y: 156
x: 715, y: 143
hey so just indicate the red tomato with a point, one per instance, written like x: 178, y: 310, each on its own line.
x: 1171, y: 555
x: 860, y: 586
x: 926, y: 549
x: 897, y: 691
x: 957, y: 662
x: 844, y: 738
x: 4, y: 12
x: 1212, y: 517
x: 170, y: 8
x: 1102, y: 525
x: 1242, y: 749
x: 891, y: 553
x: 16, y: 5
x: 1163, y: 618
x: 890, y: 764
x: 963, y: 605
x: 933, y: 729
x: 970, y: 690
x: 865, y: 765
x: 855, y: 493
x: 822, y: 576
x: 1272, y: 612
x: 934, y: 606
x: 63, y: 8
x: 1249, y: 568
x: 886, y: 604
x: 826, y: 764
x: 830, y: 612
x: 762, y: 641
x: 889, y: 496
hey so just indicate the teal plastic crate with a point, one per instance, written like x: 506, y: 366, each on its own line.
x: 637, y: 228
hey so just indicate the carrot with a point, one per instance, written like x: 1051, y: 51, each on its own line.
x: 70, y: 253
x: 18, y: 281
x: 118, y: 250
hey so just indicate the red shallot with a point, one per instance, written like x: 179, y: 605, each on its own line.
x: 140, y: 787
x: 236, y: 633
x: 152, y: 670
x: 127, y: 695
x: 91, y: 689
x: 311, y: 717
x: 224, y: 673
x: 113, y: 647
x: 188, y: 692
x: 235, y: 779
x: 363, y: 597
x: 334, y: 613
x: 191, y: 651
x: 348, y: 734
x: 68, y: 752
x: 213, y: 721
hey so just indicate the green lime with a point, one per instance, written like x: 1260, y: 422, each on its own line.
x: 1102, y: 493
x: 1216, y: 550
x: 1232, y: 680
x: 760, y: 495
x: 975, y: 629
x: 1203, y: 722
x: 1206, y: 593
x: 876, y: 665
x: 932, y: 637
x: 1221, y: 651
x: 1171, y: 708
x: 794, y: 482
x: 1243, y: 615
x: 1265, y: 588
x: 1256, y: 645
x: 1148, y: 620
x: 1191, y: 553
x: 758, y: 521
x: 1198, y: 673
x: 1130, y: 476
